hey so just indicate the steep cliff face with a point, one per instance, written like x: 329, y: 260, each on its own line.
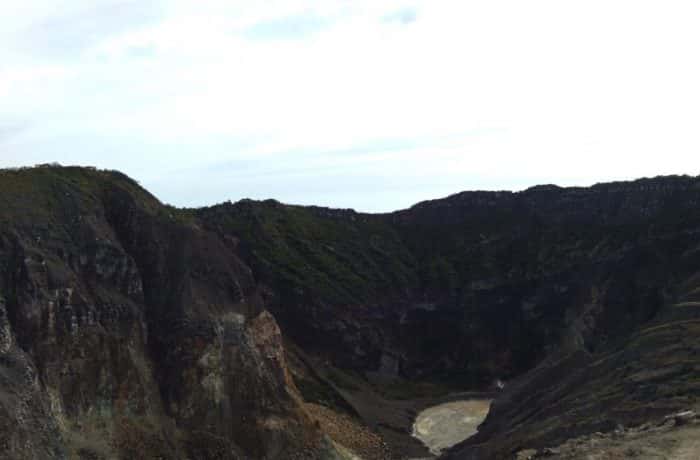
x: 477, y: 286
x: 549, y: 268
x: 334, y: 278
x: 588, y: 289
x: 637, y: 380
x: 128, y: 331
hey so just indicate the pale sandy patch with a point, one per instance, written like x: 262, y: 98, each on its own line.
x: 445, y: 425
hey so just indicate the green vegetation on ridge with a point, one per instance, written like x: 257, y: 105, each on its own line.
x: 341, y: 256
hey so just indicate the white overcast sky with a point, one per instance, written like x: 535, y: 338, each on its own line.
x: 367, y: 104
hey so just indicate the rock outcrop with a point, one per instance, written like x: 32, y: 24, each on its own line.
x: 588, y: 289
x: 131, y: 329
x: 128, y: 331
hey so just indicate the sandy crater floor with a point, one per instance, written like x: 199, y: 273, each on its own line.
x: 445, y: 425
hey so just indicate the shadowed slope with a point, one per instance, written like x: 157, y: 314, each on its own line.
x: 129, y: 331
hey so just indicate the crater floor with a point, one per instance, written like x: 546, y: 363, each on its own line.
x: 445, y: 425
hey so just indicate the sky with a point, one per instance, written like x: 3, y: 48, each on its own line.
x: 364, y: 104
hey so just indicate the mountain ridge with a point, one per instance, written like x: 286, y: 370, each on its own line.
x: 152, y: 322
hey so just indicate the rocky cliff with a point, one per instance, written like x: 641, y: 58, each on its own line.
x: 507, y: 277
x: 128, y: 331
x: 131, y: 329
x: 589, y: 289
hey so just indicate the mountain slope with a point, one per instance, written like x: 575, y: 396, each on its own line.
x: 128, y: 331
x: 132, y: 329
x: 494, y: 284
x: 509, y: 266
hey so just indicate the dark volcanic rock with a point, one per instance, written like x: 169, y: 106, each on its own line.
x: 477, y: 286
x: 132, y: 329
x: 486, y: 285
x: 128, y: 331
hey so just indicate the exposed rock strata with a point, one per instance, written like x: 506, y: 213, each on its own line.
x: 131, y: 329
x: 125, y: 332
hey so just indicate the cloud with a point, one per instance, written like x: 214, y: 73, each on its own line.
x: 143, y: 51
x: 66, y: 34
x: 10, y: 130
x: 293, y: 27
x: 322, y: 101
x: 402, y: 16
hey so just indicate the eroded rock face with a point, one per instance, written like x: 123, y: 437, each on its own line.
x: 127, y: 334
x: 570, y: 294
x: 130, y: 329
x: 473, y: 287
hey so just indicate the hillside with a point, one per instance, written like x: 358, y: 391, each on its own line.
x: 129, y: 332
x: 574, y: 283
x: 129, y: 328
